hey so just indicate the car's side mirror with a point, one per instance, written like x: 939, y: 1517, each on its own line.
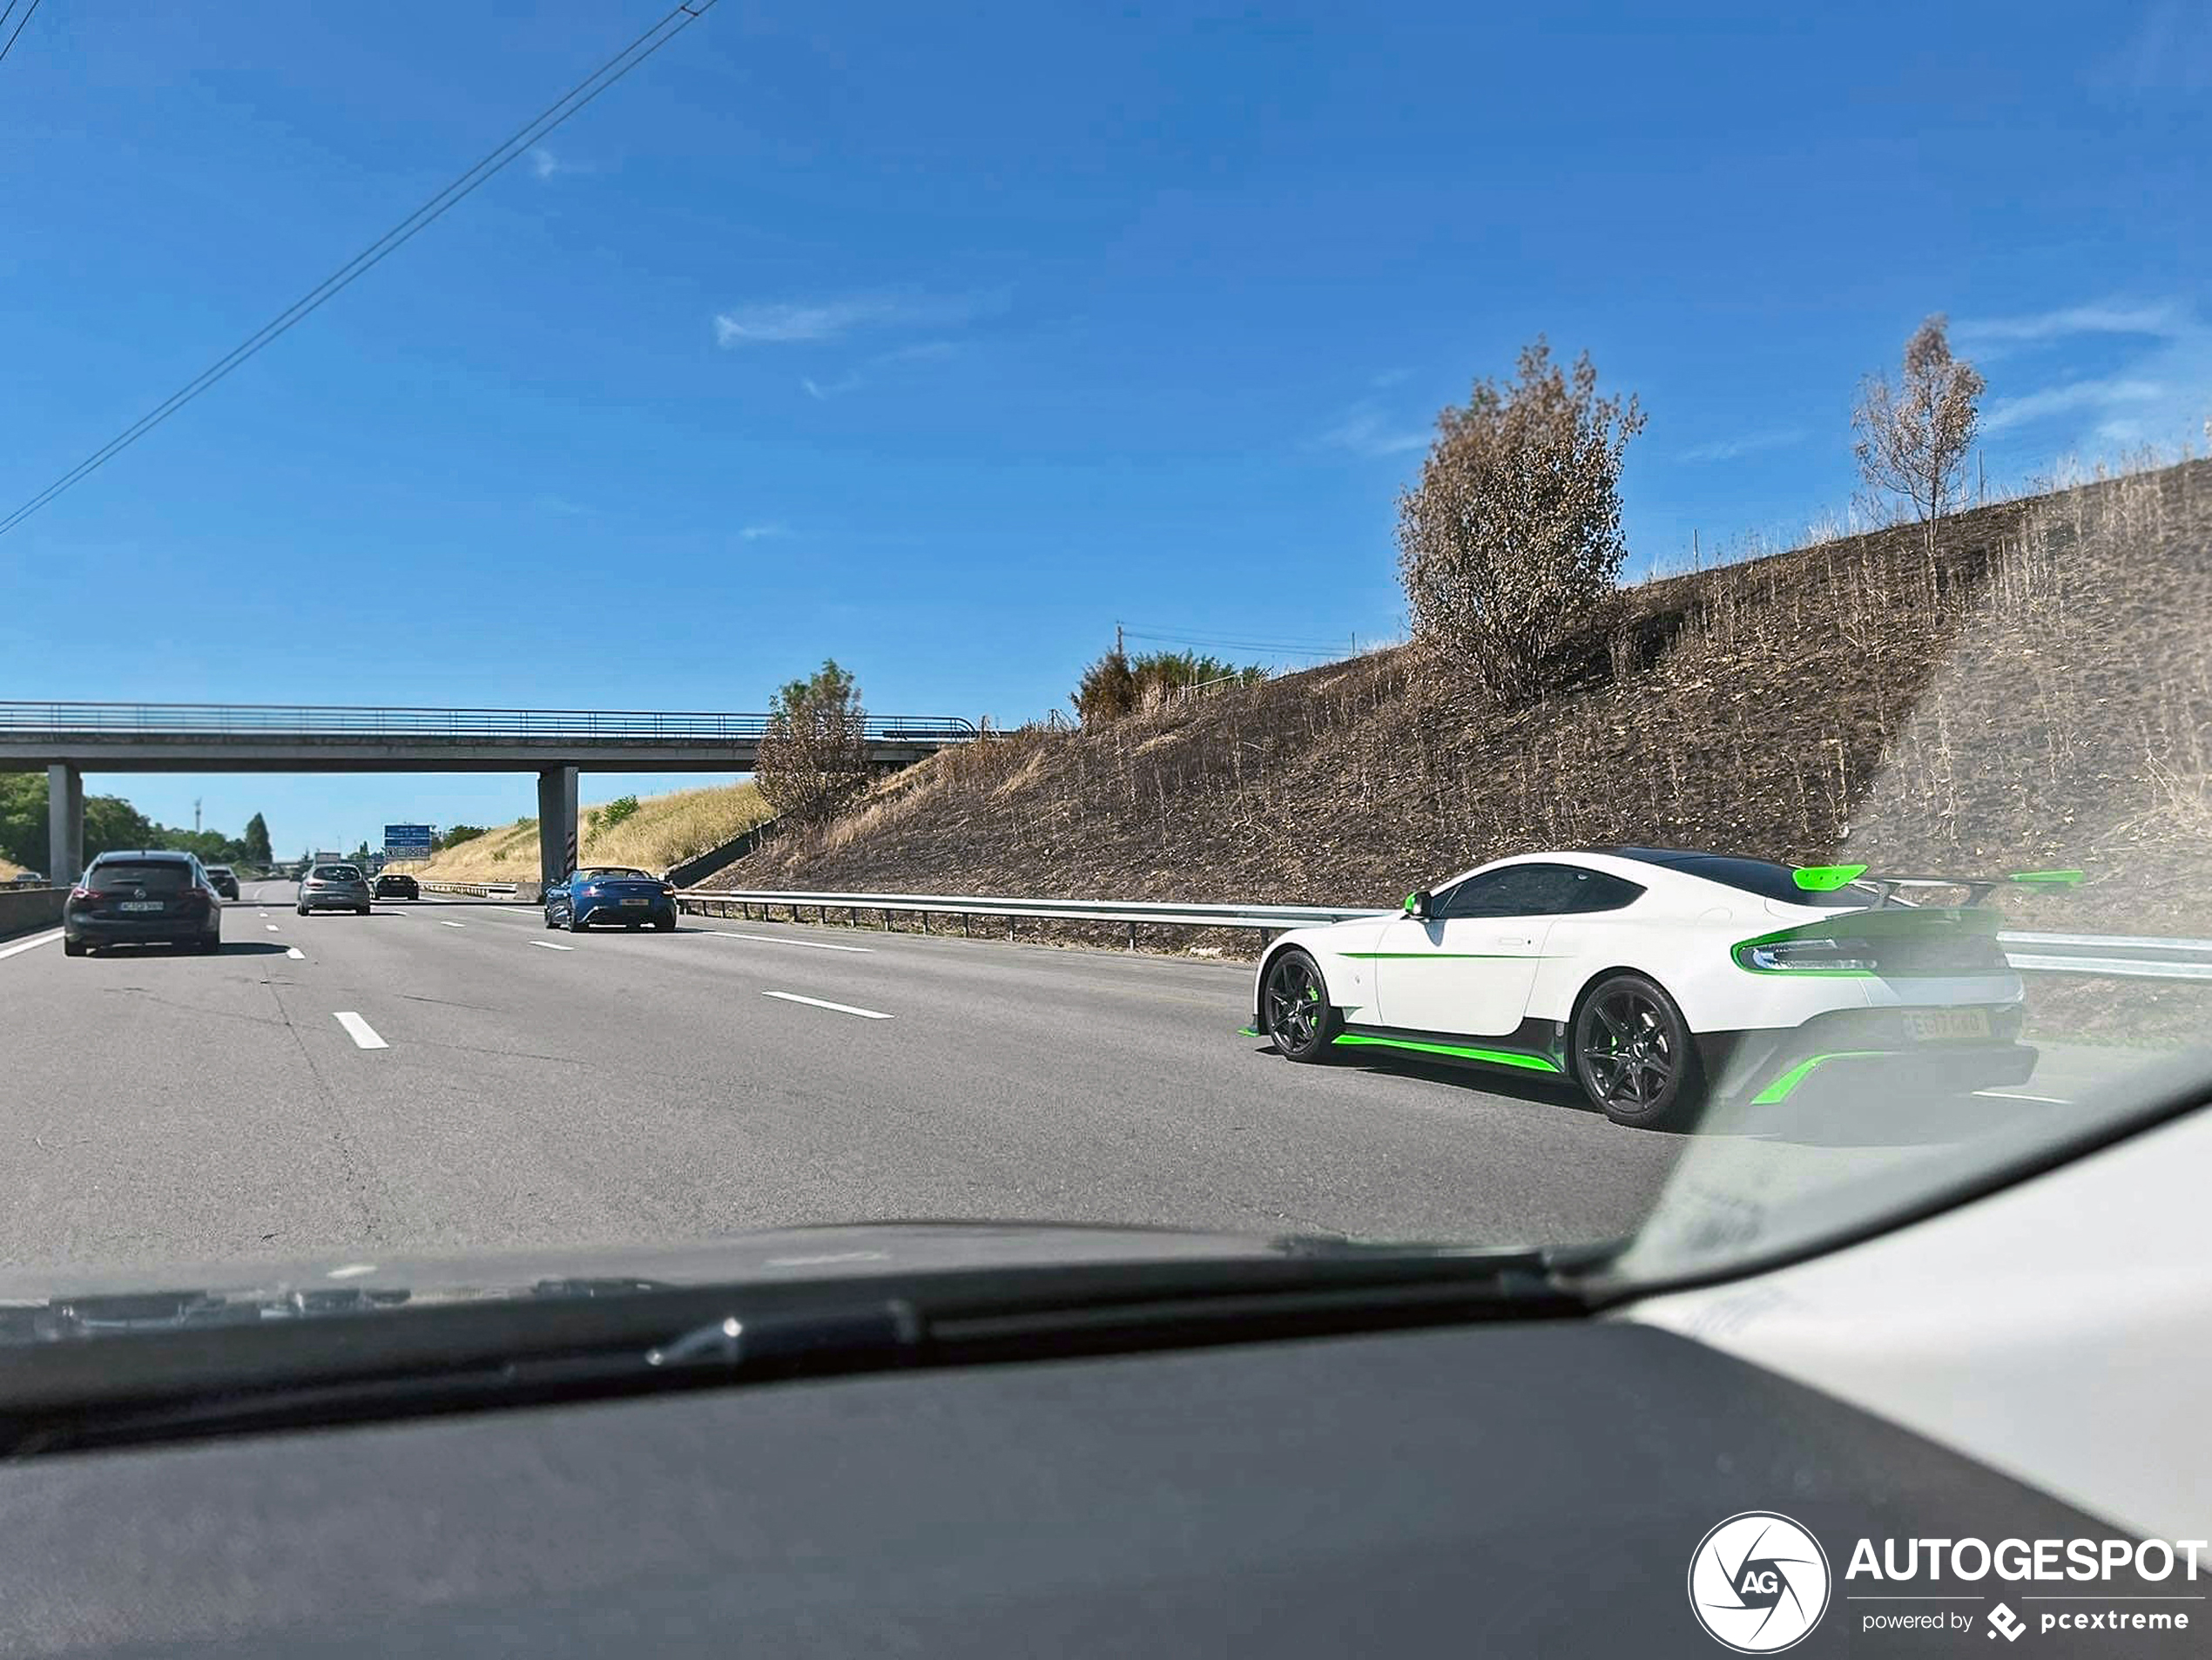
x: 1417, y: 903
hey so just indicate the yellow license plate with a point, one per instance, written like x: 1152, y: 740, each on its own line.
x: 1945, y: 1025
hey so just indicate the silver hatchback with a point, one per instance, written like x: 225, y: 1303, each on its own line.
x: 334, y: 887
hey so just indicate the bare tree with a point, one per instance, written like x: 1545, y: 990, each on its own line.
x: 1914, y: 437
x: 1512, y: 539
x: 813, y: 756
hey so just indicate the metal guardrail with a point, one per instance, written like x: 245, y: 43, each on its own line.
x: 366, y: 721
x: 478, y: 890
x: 2104, y: 955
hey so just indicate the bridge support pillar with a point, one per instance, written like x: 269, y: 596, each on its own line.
x: 556, y: 823
x: 64, y: 824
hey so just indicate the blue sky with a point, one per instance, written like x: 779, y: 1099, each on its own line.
x: 939, y: 343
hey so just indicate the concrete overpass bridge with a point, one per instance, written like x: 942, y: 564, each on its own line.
x: 70, y: 740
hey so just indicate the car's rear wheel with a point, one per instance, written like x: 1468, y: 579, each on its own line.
x: 211, y: 942
x: 1634, y: 1057
x: 666, y: 924
x: 575, y: 924
x: 1294, y: 1008
x: 361, y: 910
x: 72, y: 948
x: 303, y: 910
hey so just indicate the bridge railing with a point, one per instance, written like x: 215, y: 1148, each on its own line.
x: 340, y: 720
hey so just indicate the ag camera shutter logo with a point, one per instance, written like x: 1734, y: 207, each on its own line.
x: 1758, y: 1583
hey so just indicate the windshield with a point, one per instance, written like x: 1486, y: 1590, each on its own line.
x: 942, y: 577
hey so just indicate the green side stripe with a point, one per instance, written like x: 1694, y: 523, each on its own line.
x: 1780, y: 1089
x: 2047, y: 878
x: 1826, y: 879
x: 1250, y: 1031
x: 1439, y: 957
x: 1495, y: 1056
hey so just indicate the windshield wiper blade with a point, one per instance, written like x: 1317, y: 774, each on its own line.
x: 565, y: 1340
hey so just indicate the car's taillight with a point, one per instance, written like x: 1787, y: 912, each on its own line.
x: 592, y: 892
x: 82, y: 891
x: 191, y: 899
x: 669, y: 888
x: 1817, y: 953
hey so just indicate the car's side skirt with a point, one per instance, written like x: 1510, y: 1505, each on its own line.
x: 1534, y: 1046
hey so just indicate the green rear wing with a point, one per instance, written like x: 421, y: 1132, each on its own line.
x: 1887, y: 888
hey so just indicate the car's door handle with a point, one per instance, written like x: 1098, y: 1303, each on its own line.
x: 1515, y: 939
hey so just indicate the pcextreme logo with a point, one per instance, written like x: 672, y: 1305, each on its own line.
x: 1758, y: 1583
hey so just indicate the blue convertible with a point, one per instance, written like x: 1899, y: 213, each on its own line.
x: 610, y: 894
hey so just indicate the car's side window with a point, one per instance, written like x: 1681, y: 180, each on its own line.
x: 1538, y: 890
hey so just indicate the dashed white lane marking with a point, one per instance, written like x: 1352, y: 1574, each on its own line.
x: 548, y: 945
x: 361, y: 1031
x: 444, y: 924
x: 274, y: 929
x: 32, y: 944
x: 817, y: 1003
x: 351, y: 1271
x: 295, y: 953
x: 771, y: 939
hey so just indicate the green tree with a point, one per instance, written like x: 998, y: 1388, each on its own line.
x: 254, y: 846
x: 813, y: 757
x: 1511, y: 542
x: 455, y: 834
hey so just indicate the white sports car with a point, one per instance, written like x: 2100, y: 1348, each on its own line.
x: 1658, y: 980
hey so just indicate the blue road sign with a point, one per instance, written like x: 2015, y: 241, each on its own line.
x: 406, y: 840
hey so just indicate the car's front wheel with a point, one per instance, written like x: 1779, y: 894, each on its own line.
x: 1294, y: 1008
x: 1634, y: 1057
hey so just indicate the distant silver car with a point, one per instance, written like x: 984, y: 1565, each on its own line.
x: 334, y: 887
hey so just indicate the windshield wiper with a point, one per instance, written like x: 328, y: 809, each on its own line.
x: 219, y: 1365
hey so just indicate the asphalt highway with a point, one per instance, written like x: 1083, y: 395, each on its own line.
x: 447, y: 1076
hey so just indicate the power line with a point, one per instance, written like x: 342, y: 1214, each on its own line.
x: 1274, y: 648
x: 1170, y: 631
x: 537, y: 127
x: 20, y: 27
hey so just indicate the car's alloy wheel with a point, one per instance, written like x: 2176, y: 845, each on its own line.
x: 1632, y: 1055
x: 1294, y: 1007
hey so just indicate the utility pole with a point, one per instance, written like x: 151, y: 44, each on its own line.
x: 1117, y: 639
x: 195, y: 815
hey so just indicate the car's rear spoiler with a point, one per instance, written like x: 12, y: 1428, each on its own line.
x: 1826, y: 879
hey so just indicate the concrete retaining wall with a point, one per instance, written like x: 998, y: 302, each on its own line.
x: 22, y: 909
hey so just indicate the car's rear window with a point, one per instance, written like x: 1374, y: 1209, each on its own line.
x: 155, y: 875
x: 1760, y: 876
x: 614, y: 873
x: 335, y: 874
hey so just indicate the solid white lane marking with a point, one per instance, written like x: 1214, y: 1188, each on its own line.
x: 360, y: 1030
x: 444, y: 924
x: 351, y: 1271
x: 771, y: 939
x: 548, y: 945
x: 295, y: 953
x: 817, y: 1003
x: 30, y: 944
x: 2014, y: 1095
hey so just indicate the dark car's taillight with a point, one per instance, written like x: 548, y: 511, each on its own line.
x: 79, y: 892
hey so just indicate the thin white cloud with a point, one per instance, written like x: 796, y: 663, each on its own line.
x: 2170, y: 51
x: 544, y: 162
x: 1748, y: 444
x: 822, y: 391
x: 2160, y: 320
x: 758, y: 532
x: 776, y: 322
x: 1364, y: 431
x: 2075, y: 395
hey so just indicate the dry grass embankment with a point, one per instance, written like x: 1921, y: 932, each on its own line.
x: 2037, y: 693
x: 664, y: 831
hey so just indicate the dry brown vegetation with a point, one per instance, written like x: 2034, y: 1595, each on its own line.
x: 2037, y: 692
x: 665, y: 830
